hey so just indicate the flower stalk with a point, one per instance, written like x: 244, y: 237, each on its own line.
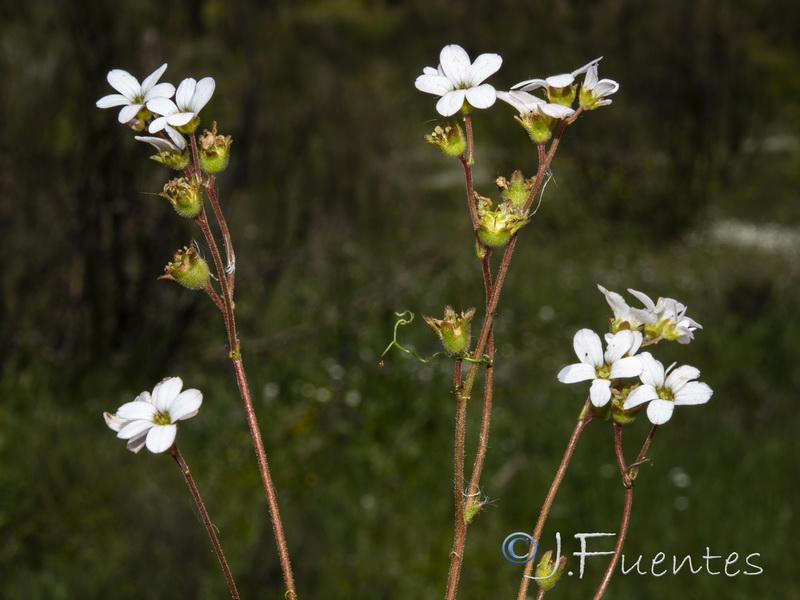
x: 212, y: 533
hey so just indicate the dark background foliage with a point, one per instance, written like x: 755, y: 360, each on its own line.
x: 685, y: 187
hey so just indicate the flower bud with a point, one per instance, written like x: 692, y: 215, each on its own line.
x: 448, y: 139
x: 548, y: 572
x: 188, y: 269
x: 453, y: 330
x: 184, y: 195
x: 214, y: 150
x: 495, y: 227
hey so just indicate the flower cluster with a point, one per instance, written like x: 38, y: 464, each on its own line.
x: 149, y: 105
x: 631, y: 328
x: 460, y: 83
x: 151, y: 419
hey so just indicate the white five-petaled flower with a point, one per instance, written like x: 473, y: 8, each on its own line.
x: 133, y: 96
x: 526, y: 103
x: 457, y: 80
x: 601, y: 367
x: 190, y: 98
x: 635, y: 317
x: 554, y: 81
x: 665, y: 389
x: 150, y: 420
x: 594, y: 92
x: 671, y: 318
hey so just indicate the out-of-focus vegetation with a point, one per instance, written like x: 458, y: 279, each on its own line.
x: 685, y: 186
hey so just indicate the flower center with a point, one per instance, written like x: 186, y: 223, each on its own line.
x: 665, y: 394
x: 603, y: 371
x: 162, y: 418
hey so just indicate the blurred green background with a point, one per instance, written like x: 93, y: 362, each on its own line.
x: 686, y: 186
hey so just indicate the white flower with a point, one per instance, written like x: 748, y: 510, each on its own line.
x: 671, y: 320
x: 151, y: 419
x: 190, y: 98
x: 602, y: 368
x: 554, y: 81
x: 526, y: 103
x: 457, y: 80
x: 133, y: 96
x: 664, y: 392
x: 635, y: 317
x: 593, y: 91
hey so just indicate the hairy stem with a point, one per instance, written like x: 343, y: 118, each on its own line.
x: 198, y: 500
x: 585, y: 417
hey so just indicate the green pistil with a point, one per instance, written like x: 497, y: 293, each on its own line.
x: 162, y: 418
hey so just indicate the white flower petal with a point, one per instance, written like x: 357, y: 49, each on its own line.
x: 430, y: 71
x: 587, y: 66
x: 185, y: 405
x: 588, y: 347
x: 136, y: 410
x: 560, y: 81
x: 125, y: 83
x: 160, y: 144
x: 600, y: 392
x: 659, y: 411
x: 522, y: 101
x: 161, y: 438
x: 150, y: 81
x: 451, y: 103
x: 577, y: 372
x: 111, y: 101
x: 630, y: 366
x: 619, y: 345
x: 176, y: 136
x: 605, y: 87
x: 652, y: 370
x: 165, y: 392
x: 680, y: 376
x: 185, y: 92
x: 202, y: 93
x: 482, y: 96
x: 114, y: 422
x: 643, y: 393
x: 179, y: 119
x: 158, y: 124
x: 162, y: 106
x: 137, y: 443
x: 455, y: 63
x: 162, y: 90
x: 529, y: 84
x: 557, y: 111
x: 134, y: 429
x: 484, y: 67
x: 694, y: 392
x: 644, y: 299
x: 433, y: 84
x: 128, y: 113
